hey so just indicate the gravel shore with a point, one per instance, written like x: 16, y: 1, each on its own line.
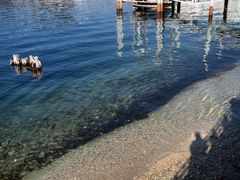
x: 175, y: 142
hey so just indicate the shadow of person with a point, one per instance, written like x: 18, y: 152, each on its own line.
x: 198, y: 150
x: 198, y: 146
x: 217, y: 156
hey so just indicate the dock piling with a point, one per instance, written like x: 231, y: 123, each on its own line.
x: 173, y: 8
x: 225, y: 10
x: 210, y: 15
x: 119, y: 4
x: 160, y: 6
x: 178, y: 7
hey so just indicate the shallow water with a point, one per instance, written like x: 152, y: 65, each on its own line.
x: 154, y: 147
x: 100, y: 71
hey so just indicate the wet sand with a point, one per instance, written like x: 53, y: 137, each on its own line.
x: 156, y: 146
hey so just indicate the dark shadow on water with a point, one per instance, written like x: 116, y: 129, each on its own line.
x: 217, y: 156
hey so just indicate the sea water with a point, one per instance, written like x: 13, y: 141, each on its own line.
x: 100, y: 71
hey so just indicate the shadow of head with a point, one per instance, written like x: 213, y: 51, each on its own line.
x: 199, y: 145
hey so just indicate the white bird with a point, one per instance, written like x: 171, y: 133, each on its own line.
x: 34, y: 62
x: 24, y: 61
x: 15, y: 60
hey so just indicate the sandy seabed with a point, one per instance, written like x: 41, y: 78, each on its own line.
x: 156, y: 147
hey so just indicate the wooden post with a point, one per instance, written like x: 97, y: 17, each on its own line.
x: 160, y: 6
x: 119, y: 5
x: 173, y: 8
x: 178, y: 7
x: 210, y: 15
x: 225, y: 10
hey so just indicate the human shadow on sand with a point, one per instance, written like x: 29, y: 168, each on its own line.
x: 217, y: 156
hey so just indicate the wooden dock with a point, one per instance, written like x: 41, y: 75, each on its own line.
x: 160, y: 5
x: 146, y: 4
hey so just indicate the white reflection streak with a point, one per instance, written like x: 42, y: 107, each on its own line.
x: 220, y: 47
x: 138, y: 39
x: 159, y: 39
x: 207, y: 47
x: 120, y: 35
x: 177, y: 37
x: 174, y: 39
x: 139, y: 34
x: 234, y: 10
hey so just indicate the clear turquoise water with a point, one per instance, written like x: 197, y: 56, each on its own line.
x: 100, y: 71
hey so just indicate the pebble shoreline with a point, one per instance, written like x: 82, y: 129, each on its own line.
x: 133, y: 151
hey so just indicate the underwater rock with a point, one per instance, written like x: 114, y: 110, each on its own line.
x: 41, y: 155
x: 11, y: 153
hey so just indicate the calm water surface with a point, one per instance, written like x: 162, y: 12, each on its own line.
x: 100, y: 71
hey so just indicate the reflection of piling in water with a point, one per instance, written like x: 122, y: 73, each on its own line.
x: 135, y: 34
x: 207, y: 46
x: 159, y: 39
x: 140, y: 39
x: 140, y: 36
x: 174, y: 39
x: 120, y: 35
x: 177, y: 36
x: 220, y: 47
x: 159, y: 5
